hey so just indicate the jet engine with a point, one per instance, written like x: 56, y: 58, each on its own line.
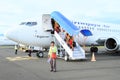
x: 112, y: 44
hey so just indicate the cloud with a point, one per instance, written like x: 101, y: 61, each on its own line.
x: 7, y: 7
x: 14, y: 11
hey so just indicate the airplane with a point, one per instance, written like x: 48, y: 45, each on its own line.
x: 4, y: 41
x: 32, y: 34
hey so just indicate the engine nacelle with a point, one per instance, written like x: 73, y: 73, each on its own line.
x: 112, y: 44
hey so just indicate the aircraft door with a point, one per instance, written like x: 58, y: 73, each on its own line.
x: 46, y: 22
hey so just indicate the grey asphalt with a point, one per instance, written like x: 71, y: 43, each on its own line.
x: 107, y: 67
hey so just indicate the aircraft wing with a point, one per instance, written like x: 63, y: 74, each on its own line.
x: 101, y: 41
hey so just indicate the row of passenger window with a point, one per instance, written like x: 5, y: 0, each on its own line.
x: 108, y: 30
x: 99, y: 29
x: 85, y: 27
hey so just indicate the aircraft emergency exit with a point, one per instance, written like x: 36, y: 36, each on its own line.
x: 33, y: 34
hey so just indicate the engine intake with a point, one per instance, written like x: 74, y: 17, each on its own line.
x: 111, y: 44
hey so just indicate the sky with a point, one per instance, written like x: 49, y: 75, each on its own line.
x: 15, y: 11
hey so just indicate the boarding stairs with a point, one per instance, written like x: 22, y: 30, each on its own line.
x: 77, y: 53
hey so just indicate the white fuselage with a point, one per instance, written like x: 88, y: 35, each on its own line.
x: 37, y: 36
x: 30, y: 35
x: 100, y: 31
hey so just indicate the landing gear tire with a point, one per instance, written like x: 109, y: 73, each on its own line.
x: 40, y: 54
x: 66, y: 58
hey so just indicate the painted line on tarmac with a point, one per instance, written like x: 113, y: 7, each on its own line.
x: 20, y: 58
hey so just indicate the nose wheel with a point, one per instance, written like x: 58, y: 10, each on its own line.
x: 40, y: 54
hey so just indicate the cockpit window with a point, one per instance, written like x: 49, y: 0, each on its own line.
x: 29, y: 23
x: 23, y: 23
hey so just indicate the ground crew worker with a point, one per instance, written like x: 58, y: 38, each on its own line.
x: 52, y: 55
x: 30, y: 51
x: 16, y: 49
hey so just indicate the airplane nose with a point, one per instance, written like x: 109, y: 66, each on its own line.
x: 10, y: 35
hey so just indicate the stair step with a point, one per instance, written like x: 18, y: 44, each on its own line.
x: 77, y: 53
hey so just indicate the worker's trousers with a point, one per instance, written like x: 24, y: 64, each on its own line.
x: 53, y: 64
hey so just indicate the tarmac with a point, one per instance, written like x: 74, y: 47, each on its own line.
x: 22, y: 67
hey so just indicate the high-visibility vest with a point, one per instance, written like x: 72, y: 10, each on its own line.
x: 52, y: 51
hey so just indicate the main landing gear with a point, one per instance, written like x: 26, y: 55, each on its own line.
x: 40, y: 54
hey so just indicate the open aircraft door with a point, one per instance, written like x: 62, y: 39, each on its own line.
x: 46, y: 22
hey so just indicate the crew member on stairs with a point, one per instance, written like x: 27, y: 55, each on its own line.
x: 67, y: 38
x: 71, y: 42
